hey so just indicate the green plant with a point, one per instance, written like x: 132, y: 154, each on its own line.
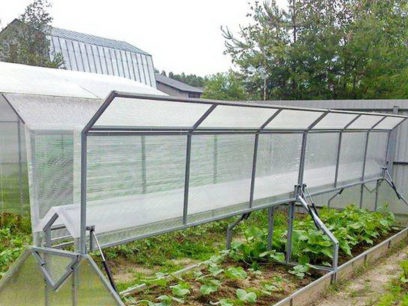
x: 210, y: 286
x: 244, y: 296
x: 180, y: 290
x: 236, y: 273
x: 300, y: 270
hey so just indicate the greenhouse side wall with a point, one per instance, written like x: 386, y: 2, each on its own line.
x: 398, y: 156
x: 14, y: 196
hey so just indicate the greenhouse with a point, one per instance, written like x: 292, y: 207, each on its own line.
x: 102, y: 161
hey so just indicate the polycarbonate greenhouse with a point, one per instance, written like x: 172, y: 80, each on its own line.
x: 110, y: 161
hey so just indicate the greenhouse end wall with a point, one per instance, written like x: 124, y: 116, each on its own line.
x: 14, y: 195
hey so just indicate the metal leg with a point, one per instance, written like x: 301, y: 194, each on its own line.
x: 75, y: 287
x: 271, y: 211
x: 361, y: 195
x: 46, y: 293
x: 291, y: 216
x: 232, y: 226
x: 377, y: 187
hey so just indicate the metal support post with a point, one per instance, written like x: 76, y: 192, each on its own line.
x: 291, y: 216
x: 336, y: 175
x: 271, y: 215
x: 91, y: 230
x: 75, y: 287
x: 363, y: 170
x: 392, y: 141
x: 253, y: 176
x: 377, y: 187
x: 143, y: 153
x: 215, y: 165
x: 20, y: 168
x: 232, y: 226
x: 187, y: 178
x: 84, y: 149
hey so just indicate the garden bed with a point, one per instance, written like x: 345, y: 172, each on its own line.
x: 249, y: 273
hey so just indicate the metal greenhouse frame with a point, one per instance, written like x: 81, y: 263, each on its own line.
x: 200, y: 128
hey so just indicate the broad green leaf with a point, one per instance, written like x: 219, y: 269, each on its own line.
x: 244, y: 296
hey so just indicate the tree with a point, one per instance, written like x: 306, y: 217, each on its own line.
x: 323, y: 49
x: 224, y: 86
x: 25, y: 41
x: 190, y: 79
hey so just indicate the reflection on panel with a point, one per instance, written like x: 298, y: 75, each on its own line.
x: 220, y: 175
x: 351, y: 158
x: 320, y: 160
x: 376, y: 154
x: 277, y: 167
x: 52, y: 167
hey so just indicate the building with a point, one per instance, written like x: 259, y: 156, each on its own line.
x: 90, y: 53
x: 176, y: 88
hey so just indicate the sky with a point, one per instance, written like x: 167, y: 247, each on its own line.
x: 181, y: 35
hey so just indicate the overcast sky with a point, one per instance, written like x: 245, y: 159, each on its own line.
x: 181, y: 35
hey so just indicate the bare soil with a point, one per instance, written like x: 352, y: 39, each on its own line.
x: 367, y: 288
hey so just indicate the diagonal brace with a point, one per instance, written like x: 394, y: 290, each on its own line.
x: 388, y: 179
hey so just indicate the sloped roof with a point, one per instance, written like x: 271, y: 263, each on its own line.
x: 176, y: 84
x: 96, y: 40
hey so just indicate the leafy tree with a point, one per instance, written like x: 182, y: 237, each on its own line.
x: 323, y: 49
x: 224, y: 86
x: 26, y: 41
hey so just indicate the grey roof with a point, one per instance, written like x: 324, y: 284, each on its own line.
x: 176, y: 84
x: 96, y: 40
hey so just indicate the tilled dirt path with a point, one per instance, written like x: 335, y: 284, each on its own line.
x: 368, y: 287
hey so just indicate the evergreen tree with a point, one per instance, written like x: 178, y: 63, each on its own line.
x: 324, y: 49
x: 26, y: 42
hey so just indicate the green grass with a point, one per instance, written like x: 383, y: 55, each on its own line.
x: 15, y: 235
x: 397, y: 290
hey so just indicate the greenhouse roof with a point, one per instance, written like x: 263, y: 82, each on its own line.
x: 46, y: 98
x: 23, y: 79
x: 128, y: 112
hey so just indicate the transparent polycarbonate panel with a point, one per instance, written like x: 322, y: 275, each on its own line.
x: 13, y: 168
x: 349, y: 196
x: 6, y: 112
x: 293, y: 119
x: 369, y: 194
x: 277, y: 167
x: 56, y: 265
x: 389, y: 123
x: 54, y: 113
x: 335, y: 121
x: 220, y: 175
x: 365, y: 122
x: 320, y: 160
x: 134, y: 182
x: 376, y: 154
x: 151, y: 113
x: 115, y: 166
x: 165, y: 162
x: 92, y: 290
x: 24, y: 285
x: 351, y: 158
x: 224, y: 116
x: 51, y: 167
